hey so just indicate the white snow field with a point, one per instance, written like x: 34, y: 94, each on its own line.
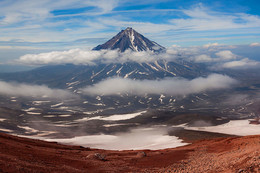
x: 234, y: 127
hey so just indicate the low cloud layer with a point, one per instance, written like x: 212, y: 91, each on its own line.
x: 15, y: 89
x: 171, y: 86
x: 224, y: 55
x: 255, y: 44
x: 239, y: 64
x: 214, y: 55
x: 88, y: 57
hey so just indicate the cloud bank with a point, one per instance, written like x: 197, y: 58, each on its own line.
x: 255, y: 44
x: 224, y: 55
x: 239, y: 64
x: 87, y: 57
x: 26, y: 90
x: 215, y: 55
x: 171, y: 86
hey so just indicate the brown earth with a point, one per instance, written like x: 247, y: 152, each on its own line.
x: 230, y: 154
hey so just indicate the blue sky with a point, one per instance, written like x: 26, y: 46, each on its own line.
x: 29, y: 26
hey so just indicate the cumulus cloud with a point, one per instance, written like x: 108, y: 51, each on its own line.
x: 29, y: 10
x: 224, y: 55
x: 203, y: 58
x: 254, y: 44
x: 203, y: 19
x: 239, y: 64
x: 91, y: 57
x: 171, y: 86
x: 211, y: 45
x: 218, y: 59
x: 26, y: 90
x: 87, y: 57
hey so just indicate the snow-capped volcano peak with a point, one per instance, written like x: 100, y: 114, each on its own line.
x: 130, y: 39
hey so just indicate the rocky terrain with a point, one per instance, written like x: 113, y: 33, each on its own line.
x: 230, y: 154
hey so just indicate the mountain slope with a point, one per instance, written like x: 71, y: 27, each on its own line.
x: 130, y: 39
x: 69, y: 75
x: 75, y: 76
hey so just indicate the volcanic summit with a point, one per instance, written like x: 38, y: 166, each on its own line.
x: 130, y: 39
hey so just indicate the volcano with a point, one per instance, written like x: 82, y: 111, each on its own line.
x: 130, y: 39
x: 76, y: 76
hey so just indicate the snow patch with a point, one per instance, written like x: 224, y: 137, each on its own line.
x: 113, y: 117
x: 154, y: 68
x: 128, y: 74
x: 28, y: 129
x: 53, y: 106
x: 136, y: 139
x: 39, y: 102
x: 6, y: 130
x: 49, y: 116
x: 113, y: 125
x: 161, y: 98
x: 234, y: 127
x: 33, y: 113
x: 72, y: 83
x: 29, y: 109
x: 65, y: 115
x: 119, y: 70
x: 132, y: 38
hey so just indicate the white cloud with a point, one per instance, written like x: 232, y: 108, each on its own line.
x: 88, y: 57
x: 225, y: 55
x: 66, y: 24
x: 171, y: 86
x: 18, y: 47
x: 222, y: 58
x: 142, y: 27
x: 203, y: 58
x: 255, y: 44
x: 211, y: 45
x: 16, y: 16
x: 243, y: 63
x: 203, y: 19
x: 29, y: 10
x: 16, y: 89
x: 199, y: 18
x: 233, y: 127
x: 75, y: 56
